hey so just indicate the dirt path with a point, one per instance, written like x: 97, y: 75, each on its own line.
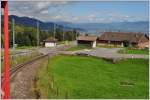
x: 21, y: 86
x: 111, y: 53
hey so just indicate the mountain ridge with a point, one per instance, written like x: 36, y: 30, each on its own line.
x: 95, y: 28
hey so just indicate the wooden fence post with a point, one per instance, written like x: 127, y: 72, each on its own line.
x: 66, y: 95
x: 57, y: 91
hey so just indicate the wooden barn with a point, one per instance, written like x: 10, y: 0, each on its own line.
x: 87, y: 41
x: 123, y: 39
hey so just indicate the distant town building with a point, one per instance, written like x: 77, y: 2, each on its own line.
x: 50, y: 42
x: 87, y: 40
x: 123, y: 39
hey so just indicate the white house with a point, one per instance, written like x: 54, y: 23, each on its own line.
x: 50, y: 42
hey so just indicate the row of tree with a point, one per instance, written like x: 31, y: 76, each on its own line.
x: 27, y: 36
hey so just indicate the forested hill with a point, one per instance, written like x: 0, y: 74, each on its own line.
x: 26, y: 21
x: 26, y: 33
x: 32, y: 22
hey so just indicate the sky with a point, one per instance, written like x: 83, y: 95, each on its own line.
x: 81, y: 12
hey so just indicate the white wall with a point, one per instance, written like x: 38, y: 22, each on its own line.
x: 94, y: 44
x: 50, y: 44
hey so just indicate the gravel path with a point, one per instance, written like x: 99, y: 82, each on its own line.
x: 21, y: 86
x: 110, y: 53
x: 22, y: 83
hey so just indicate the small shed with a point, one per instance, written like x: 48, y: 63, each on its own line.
x: 50, y: 42
x: 87, y: 41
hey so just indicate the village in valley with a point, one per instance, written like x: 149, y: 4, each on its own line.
x: 63, y: 58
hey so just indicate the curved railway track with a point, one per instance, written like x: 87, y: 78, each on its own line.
x: 18, y: 67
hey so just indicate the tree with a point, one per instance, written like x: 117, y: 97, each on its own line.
x: 126, y: 43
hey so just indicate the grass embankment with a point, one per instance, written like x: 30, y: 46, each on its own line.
x: 11, y: 52
x: 89, y: 77
x: 74, y: 48
x: 20, y: 59
x: 64, y: 42
x: 109, y: 46
x: 133, y: 51
x: 27, y: 47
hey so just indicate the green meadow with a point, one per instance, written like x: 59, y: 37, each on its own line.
x: 78, y: 77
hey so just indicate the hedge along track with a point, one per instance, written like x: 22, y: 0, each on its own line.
x: 20, y: 66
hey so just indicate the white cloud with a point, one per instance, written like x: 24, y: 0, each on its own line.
x: 34, y: 8
x: 92, y: 16
x: 44, y: 12
x: 53, y: 11
x: 57, y: 17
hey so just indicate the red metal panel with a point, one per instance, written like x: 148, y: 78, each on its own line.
x: 6, y: 85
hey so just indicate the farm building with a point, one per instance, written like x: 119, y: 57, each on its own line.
x: 123, y: 39
x: 50, y: 42
x: 87, y: 41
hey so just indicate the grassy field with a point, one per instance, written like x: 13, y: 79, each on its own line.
x: 89, y: 77
x: 19, y: 48
x: 10, y: 53
x: 108, y: 46
x: 134, y: 51
x: 27, y: 47
x: 74, y: 48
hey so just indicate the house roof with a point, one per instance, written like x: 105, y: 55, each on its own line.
x: 87, y: 38
x: 50, y: 39
x: 121, y: 36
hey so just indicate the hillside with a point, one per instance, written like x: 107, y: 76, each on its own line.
x: 32, y: 22
x: 26, y: 31
x: 94, y: 28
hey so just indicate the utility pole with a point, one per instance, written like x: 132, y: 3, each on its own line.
x: 76, y: 35
x: 63, y: 33
x: 13, y: 29
x: 6, y: 81
x: 13, y: 21
x: 37, y: 33
x: 54, y: 31
x: 72, y: 34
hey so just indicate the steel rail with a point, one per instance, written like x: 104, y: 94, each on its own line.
x: 22, y: 65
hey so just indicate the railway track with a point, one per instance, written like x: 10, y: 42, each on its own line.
x: 18, y: 67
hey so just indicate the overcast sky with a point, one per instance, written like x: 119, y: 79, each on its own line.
x: 102, y: 12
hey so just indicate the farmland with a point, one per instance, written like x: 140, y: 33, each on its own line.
x: 90, y: 77
x: 134, y: 51
x: 74, y: 48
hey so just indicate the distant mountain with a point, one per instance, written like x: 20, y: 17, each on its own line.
x: 140, y: 26
x: 93, y: 28
x: 32, y: 22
